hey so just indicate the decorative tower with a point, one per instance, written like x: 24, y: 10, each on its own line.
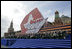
x: 56, y: 14
x: 11, y: 29
x: 57, y: 18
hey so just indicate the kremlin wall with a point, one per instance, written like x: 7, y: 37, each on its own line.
x: 35, y: 26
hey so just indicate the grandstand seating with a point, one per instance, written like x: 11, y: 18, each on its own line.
x: 42, y: 43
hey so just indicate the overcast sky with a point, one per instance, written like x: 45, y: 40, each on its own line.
x: 17, y: 10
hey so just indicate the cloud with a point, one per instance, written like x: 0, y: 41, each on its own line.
x: 48, y: 12
x: 50, y: 16
x: 11, y: 10
x: 46, y: 3
x: 4, y: 25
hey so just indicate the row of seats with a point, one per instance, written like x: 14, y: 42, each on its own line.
x: 41, y: 43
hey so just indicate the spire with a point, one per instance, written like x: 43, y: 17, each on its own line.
x: 11, y: 25
x: 11, y: 29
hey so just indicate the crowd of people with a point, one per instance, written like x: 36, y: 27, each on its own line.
x: 55, y: 35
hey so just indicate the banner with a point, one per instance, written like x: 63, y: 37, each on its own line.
x: 32, y: 22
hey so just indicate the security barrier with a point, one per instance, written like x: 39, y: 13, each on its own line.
x: 42, y: 43
x: 7, y: 42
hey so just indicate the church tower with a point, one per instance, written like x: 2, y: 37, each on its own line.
x: 57, y: 18
x: 56, y: 14
x: 11, y: 29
